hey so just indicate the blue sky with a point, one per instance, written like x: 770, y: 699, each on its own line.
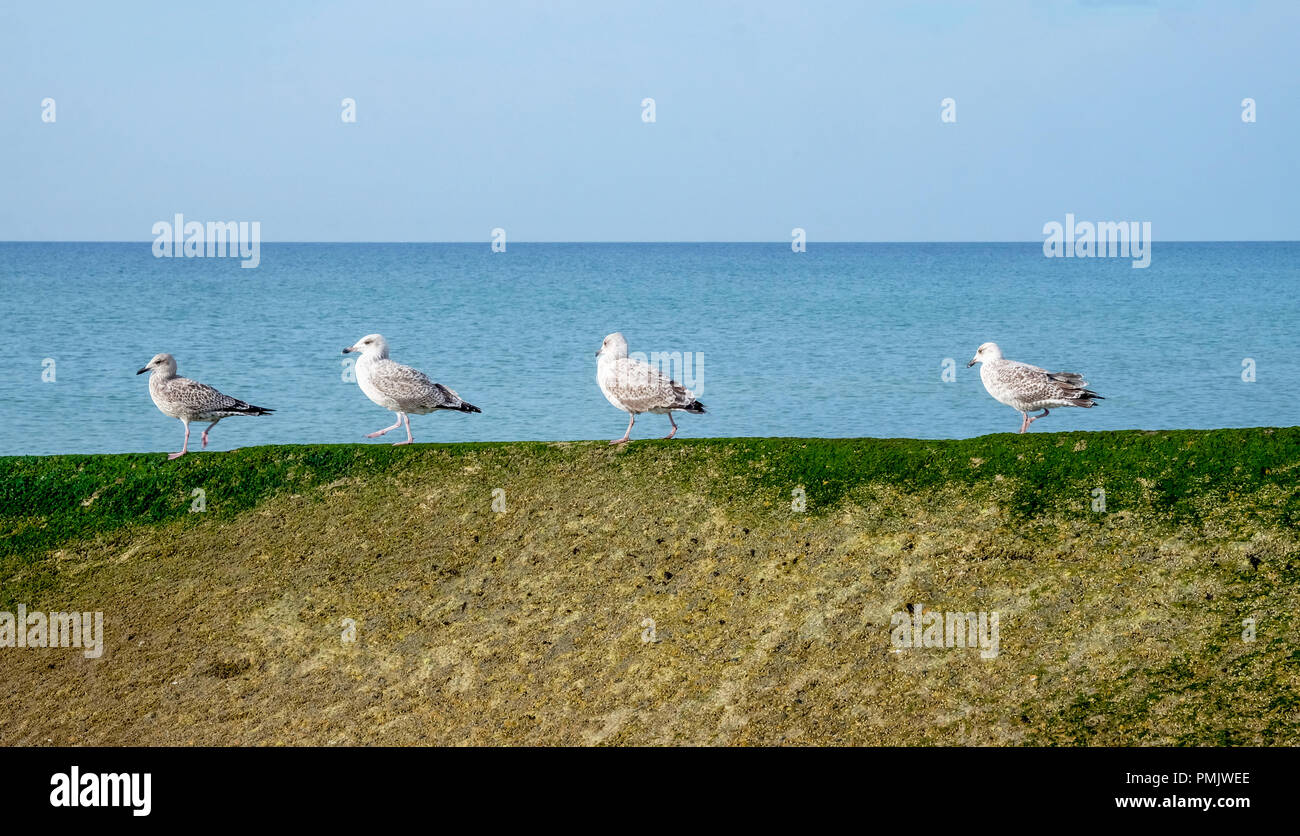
x: 770, y: 115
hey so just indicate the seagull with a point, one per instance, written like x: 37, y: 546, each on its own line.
x: 402, y: 389
x: 190, y: 400
x: 636, y: 387
x: 1028, y: 388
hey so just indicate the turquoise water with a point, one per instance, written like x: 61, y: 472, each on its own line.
x: 843, y: 340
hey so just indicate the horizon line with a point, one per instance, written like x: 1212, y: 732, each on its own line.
x: 488, y: 241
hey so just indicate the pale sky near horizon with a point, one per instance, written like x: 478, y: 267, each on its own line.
x: 769, y: 116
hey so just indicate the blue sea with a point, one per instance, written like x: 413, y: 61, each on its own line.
x: 841, y: 340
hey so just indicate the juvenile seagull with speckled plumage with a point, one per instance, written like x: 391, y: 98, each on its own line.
x: 402, y: 389
x: 190, y: 400
x: 1027, y: 388
x: 636, y: 387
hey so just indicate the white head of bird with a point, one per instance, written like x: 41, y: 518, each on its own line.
x: 613, y: 348
x: 164, y: 364
x: 985, y: 353
x: 373, y: 346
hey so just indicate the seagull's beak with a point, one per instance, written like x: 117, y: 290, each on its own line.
x: 349, y: 349
x: 599, y: 350
x: 971, y: 363
x: 142, y: 371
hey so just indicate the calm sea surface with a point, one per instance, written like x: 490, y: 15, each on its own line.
x: 843, y: 340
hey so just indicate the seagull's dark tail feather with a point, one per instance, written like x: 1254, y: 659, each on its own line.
x: 694, y: 407
x: 1074, y: 388
x: 248, y: 409
x: 1086, y: 397
x: 467, y: 407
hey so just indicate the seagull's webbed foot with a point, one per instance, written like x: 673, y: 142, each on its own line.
x: 1029, y: 419
x: 185, y: 448
x: 631, y: 421
x: 207, y: 430
x: 378, y: 433
x: 406, y: 419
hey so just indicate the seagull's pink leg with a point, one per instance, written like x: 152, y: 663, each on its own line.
x: 674, y: 423
x: 1029, y: 420
x: 205, y: 433
x: 409, y: 439
x: 184, y: 447
x: 1024, y: 424
x: 378, y: 433
x: 628, y: 434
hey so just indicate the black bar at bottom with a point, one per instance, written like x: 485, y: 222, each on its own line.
x: 330, y: 785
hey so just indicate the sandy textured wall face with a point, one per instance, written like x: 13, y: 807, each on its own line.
x: 674, y: 594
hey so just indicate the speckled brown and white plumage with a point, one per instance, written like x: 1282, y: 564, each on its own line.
x: 1027, y: 388
x: 637, y: 387
x: 400, y: 388
x: 404, y: 389
x: 188, y: 400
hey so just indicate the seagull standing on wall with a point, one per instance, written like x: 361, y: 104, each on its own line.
x: 190, y: 400
x: 402, y: 389
x: 1028, y: 388
x: 636, y: 387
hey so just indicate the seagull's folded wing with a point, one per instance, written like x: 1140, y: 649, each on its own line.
x: 411, y: 388
x: 1068, y: 380
x: 202, y: 400
x: 1025, y: 382
x: 196, y: 397
x: 1034, y: 385
x: 642, y: 387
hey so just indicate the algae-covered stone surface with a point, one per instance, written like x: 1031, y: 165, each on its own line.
x: 716, y: 591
